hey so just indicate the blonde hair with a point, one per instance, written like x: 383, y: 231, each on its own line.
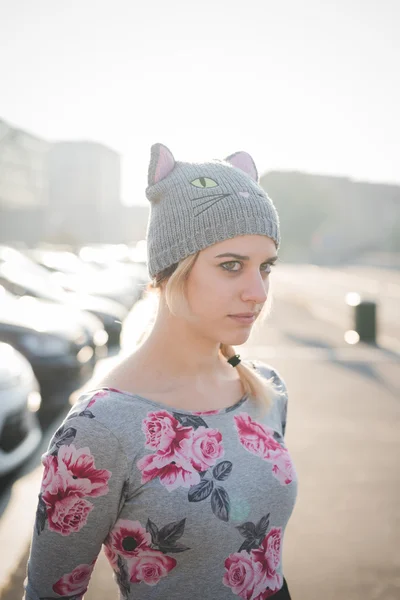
x: 174, y: 280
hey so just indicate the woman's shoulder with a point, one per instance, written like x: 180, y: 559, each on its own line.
x: 103, y: 400
x: 280, y: 402
x: 269, y: 372
x: 111, y: 410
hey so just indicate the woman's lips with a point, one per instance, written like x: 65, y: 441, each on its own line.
x: 244, y: 319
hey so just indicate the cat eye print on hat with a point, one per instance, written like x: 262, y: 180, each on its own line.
x: 196, y: 204
x: 204, y: 182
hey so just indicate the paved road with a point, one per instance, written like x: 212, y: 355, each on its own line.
x: 324, y: 292
x: 343, y: 434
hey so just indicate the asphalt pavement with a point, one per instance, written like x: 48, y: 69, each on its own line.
x: 342, y: 541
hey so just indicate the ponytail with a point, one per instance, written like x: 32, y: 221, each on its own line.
x: 255, y: 385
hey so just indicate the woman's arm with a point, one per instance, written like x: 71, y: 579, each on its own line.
x: 85, y: 470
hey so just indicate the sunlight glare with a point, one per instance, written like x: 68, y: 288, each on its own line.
x: 351, y: 337
x: 353, y: 299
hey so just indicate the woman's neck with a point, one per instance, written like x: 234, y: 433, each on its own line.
x: 177, y: 364
x: 179, y: 351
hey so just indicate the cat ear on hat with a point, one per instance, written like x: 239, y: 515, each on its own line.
x: 162, y: 162
x: 243, y: 161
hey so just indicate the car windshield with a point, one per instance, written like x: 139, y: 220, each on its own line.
x: 20, y: 275
x: 66, y: 262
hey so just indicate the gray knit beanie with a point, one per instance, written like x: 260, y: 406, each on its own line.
x: 195, y: 205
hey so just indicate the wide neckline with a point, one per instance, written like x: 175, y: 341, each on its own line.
x: 175, y: 409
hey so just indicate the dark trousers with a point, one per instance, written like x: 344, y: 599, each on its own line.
x: 283, y: 593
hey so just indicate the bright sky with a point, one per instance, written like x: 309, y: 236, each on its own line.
x: 308, y: 85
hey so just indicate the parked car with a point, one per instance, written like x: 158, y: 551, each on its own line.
x: 120, y: 260
x: 22, y: 276
x: 62, y: 344
x: 74, y: 275
x: 20, y: 431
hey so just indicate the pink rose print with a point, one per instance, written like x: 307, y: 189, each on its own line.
x: 96, y: 396
x: 172, y: 472
x: 68, y: 478
x: 128, y: 549
x: 127, y: 538
x: 283, y: 469
x: 74, y: 583
x: 49, y: 479
x: 182, y: 452
x: 244, y: 576
x: 73, y: 471
x: 163, y: 432
x: 93, y: 400
x: 274, y: 584
x: 253, y: 575
x: 203, y: 448
x: 78, y: 473
x: 256, y: 438
x: 259, y: 440
x: 66, y: 514
x: 100, y: 394
x: 150, y: 566
x: 269, y: 552
x: 268, y: 555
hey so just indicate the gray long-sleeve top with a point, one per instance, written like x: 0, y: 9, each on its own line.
x: 187, y: 505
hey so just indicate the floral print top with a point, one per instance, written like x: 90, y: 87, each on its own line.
x: 186, y: 505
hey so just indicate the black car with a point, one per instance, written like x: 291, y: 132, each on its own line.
x: 22, y: 276
x: 62, y: 344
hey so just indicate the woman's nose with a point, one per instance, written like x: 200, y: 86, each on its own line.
x: 256, y: 289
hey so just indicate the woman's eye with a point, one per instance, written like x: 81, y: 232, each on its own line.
x: 266, y: 268
x: 229, y: 266
x: 204, y: 182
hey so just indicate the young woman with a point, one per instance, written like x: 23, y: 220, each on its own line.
x: 177, y: 462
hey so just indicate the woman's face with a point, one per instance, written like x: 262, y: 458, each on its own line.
x: 228, y: 286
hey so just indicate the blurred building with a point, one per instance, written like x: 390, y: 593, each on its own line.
x: 333, y: 220
x: 63, y: 192
x: 23, y: 184
x: 132, y: 223
x: 364, y: 221
x: 84, y: 191
x: 70, y: 193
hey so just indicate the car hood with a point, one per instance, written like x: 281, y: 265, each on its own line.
x: 98, y: 304
x: 102, y: 284
x: 46, y: 317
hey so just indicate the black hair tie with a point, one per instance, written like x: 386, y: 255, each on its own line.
x: 234, y: 360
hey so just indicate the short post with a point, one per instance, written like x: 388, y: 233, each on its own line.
x: 365, y: 321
